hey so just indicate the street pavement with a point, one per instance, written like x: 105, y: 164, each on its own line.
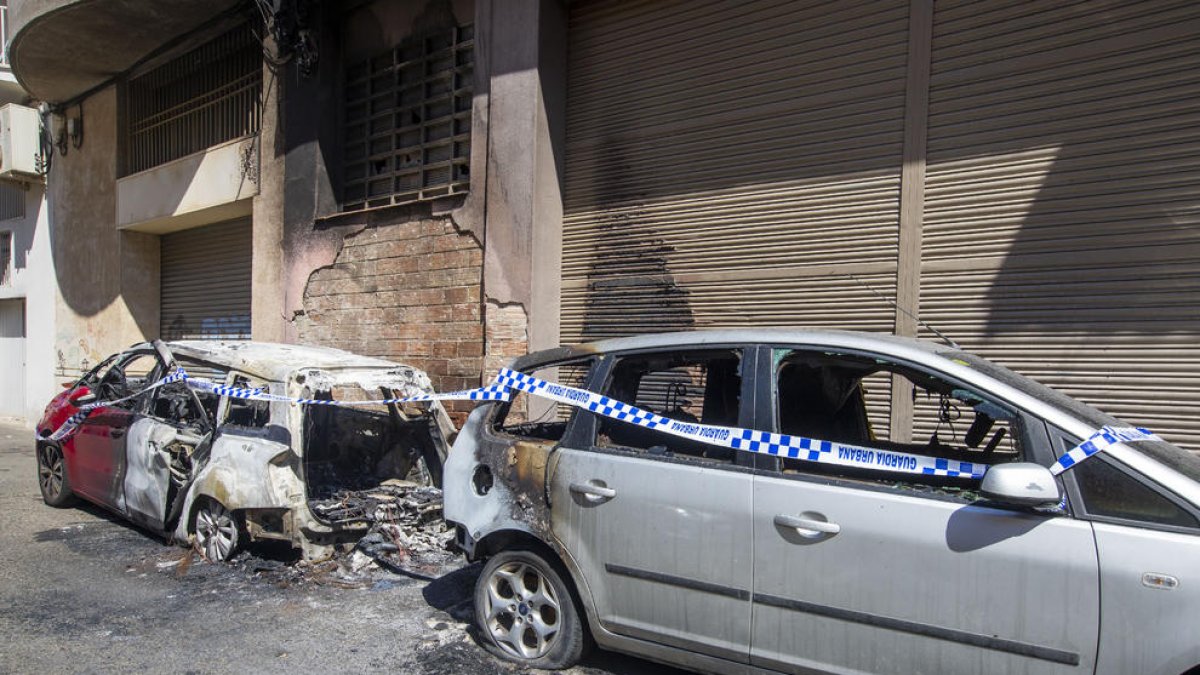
x: 84, y: 592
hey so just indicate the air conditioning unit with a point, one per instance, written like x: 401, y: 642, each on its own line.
x: 20, y: 151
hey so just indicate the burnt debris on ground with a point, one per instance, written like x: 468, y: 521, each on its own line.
x: 407, y: 534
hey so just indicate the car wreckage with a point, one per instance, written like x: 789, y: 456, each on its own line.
x: 194, y: 463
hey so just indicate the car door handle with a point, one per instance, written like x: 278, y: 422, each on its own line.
x: 592, y: 490
x: 807, y: 526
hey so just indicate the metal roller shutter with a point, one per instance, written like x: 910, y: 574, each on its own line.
x: 728, y: 164
x: 1062, y: 193
x: 206, y: 282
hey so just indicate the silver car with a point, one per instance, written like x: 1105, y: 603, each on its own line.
x: 599, y: 530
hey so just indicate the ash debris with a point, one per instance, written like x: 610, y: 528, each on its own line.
x: 407, y: 534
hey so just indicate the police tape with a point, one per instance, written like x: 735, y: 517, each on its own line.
x: 745, y: 440
x: 85, y: 410
x: 1102, y: 439
x: 489, y: 393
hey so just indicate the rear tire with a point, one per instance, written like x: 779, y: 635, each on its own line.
x: 52, y: 477
x: 526, y: 613
x: 216, y: 530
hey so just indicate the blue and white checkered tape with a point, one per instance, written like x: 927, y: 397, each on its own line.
x: 746, y: 440
x: 490, y: 393
x: 1097, y: 442
x: 80, y: 415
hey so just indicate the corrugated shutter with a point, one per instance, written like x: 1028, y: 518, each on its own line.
x: 1062, y: 195
x: 206, y: 282
x: 729, y: 164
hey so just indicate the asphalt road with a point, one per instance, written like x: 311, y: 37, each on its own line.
x: 83, y: 592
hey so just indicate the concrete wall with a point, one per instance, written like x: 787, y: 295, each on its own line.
x: 202, y: 188
x: 107, y: 279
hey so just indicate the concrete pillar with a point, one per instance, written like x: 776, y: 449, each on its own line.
x: 525, y: 50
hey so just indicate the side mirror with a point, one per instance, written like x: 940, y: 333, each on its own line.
x: 1021, y: 483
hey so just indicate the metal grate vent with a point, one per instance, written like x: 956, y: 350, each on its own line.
x: 408, y: 122
x: 204, y: 98
x: 12, y: 201
x: 5, y: 258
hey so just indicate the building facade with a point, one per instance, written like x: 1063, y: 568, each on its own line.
x: 453, y: 183
x: 27, y: 279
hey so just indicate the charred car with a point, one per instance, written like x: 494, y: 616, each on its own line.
x: 196, y: 463
x: 723, y: 560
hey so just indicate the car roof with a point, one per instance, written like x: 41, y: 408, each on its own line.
x: 274, y: 361
x: 918, y: 350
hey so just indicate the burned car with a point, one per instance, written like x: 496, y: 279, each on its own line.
x: 192, y: 461
x: 881, y: 505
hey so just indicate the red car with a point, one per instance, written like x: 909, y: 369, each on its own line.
x: 194, y: 462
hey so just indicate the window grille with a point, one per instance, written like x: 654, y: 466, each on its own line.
x: 408, y: 122
x: 12, y: 201
x: 206, y: 97
x: 5, y: 258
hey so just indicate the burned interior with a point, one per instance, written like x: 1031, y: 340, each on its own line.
x: 359, y: 462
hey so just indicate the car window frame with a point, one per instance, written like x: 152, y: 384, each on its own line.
x: 500, y: 409
x: 584, y: 432
x: 1065, y: 441
x: 140, y: 404
x: 1034, y: 427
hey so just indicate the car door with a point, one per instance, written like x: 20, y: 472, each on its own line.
x: 98, y: 445
x: 170, y: 427
x: 857, y: 570
x: 1148, y: 540
x: 660, y: 528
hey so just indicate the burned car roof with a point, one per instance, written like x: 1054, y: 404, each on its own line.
x: 275, y: 361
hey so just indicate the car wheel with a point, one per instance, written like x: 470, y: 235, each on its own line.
x: 526, y: 612
x: 216, y: 531
x: 52, y: 476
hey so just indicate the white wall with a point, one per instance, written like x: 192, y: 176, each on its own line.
x: 34, y: 280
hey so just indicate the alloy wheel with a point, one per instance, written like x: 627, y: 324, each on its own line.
x: 50, y: 471
x: 522, y: 610
x: 216, y: 531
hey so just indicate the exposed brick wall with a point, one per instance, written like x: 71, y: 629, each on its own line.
x: 409, y: 292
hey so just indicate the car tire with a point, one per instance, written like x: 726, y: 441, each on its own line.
x: 52, y: 476
x: 526, y: 613
x: 216, y: 531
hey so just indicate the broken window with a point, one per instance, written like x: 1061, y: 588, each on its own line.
x: 5, y: 258
x: 700, y: 387
x: 408, y: 121
x: 175, y: 401
x: 123, y: 376
x: 535, y: 417
x: 246, y: 412
x: 355, y: 458
x: 845, y: 398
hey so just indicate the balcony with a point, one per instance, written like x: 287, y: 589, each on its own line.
x: 61, y: 49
